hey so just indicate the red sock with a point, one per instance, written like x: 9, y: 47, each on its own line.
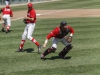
x: 33, y: 40
x: 22, y: 44
x: 8, y: 27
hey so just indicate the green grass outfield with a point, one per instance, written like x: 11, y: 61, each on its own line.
x: 63, y: 4
x: 83, y: 59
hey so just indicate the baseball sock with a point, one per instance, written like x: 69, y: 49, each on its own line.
x: 8, y: 27
x: 33, y: 40
x: 22, y: 44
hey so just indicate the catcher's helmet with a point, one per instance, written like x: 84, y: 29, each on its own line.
x: 63, y: 23
x: 30, y: 5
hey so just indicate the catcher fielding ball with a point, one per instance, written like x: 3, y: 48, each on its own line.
x: 69, y: 39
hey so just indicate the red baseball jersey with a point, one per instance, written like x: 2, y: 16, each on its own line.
x: 7, y: 11
x: 31, y: 14
x: 59, y: 34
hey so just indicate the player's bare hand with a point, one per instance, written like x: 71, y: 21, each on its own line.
x: 25, y: 16
x: 44, y: 45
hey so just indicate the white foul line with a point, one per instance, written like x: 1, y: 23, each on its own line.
x: 26, y: 3
x: 13, y: 19
x: 54, y: 12
x: 19, y: 18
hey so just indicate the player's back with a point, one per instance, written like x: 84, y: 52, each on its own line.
x: 6, y: 11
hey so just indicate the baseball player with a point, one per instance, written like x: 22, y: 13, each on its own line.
x: 7, y: 2
x: 58, y: 35
x: 7, y: 13
x: 30, y: 20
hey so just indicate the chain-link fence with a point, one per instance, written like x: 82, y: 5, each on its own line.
x: 2, y: 2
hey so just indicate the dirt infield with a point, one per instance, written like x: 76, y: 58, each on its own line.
x: 67, y: 13
x: 64, y: 13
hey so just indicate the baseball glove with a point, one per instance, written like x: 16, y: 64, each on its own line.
x: 69, y: 39
x: 0, y: 17
x: 24, y: 20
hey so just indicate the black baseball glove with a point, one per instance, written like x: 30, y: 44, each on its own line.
x: 24, y: 20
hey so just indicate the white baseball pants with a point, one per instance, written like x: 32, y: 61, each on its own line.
x: 55, y: 41
x: 7, y: 20
x: 28, y: 31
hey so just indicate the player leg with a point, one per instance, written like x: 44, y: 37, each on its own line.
x: 8, y: 24
x: 3, y: 27
x: 47, y: 51
x: 4, y: 24
x: 24, y: 35
x: 52, y: 49
x: 29, y: 36
x: 66, y: 49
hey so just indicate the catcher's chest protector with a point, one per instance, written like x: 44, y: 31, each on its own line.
x: 63, y: 33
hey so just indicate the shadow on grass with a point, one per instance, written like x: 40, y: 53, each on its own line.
x: 5, y: 31
x: 31, y: 50
x: 57, y: 57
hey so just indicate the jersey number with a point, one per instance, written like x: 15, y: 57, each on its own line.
x: 7, y: 9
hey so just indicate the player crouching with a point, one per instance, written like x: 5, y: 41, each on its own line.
x: 58, y: 34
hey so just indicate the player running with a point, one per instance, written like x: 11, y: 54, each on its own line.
x: 7, y: 13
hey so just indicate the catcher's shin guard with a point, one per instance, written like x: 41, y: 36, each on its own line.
x: 65, y: 51
x: 49, y: 50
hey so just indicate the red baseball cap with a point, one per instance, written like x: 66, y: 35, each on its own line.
x: 30, y: 5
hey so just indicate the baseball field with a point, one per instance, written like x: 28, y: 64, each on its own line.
x: 83, y: 59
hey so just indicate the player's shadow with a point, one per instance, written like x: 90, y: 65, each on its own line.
x: 5, y: 31
x: 57, y: 57
x: 29, y: 50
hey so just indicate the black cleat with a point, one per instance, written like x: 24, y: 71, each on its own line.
x: 7, y: 31
x: 63, y: 57
x: 3, y: 30
x: 42, y: 56
x: 20, y: 50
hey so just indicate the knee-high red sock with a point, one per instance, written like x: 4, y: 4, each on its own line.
x: 8, y: 27
x: 22, y: 44
x: 33, y: 40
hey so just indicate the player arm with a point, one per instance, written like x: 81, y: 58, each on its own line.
x: 31, y: 18
x: 50, y: 35
x: 71, y: 31
x: 47, y: 38
x: 69, y: 38
x: 11, y: 13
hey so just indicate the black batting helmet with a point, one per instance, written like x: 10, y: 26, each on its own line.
x: 63, y: 23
